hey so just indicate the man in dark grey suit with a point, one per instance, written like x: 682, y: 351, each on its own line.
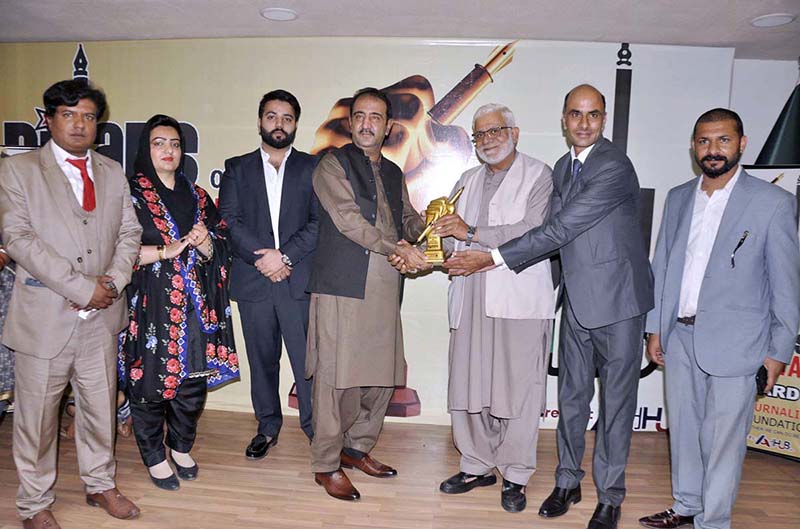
x: 269, y: 205
x: 607, y: 288
x: 727, y: 271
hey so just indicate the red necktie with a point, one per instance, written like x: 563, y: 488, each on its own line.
x: 88, y: 185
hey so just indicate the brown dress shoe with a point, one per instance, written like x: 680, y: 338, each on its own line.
x: 367, y: 465
x: 114, y: 503
x: 41, y: 520
x: 337, y: 484
x: 668, y: 519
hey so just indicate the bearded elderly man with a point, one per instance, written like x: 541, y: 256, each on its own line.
x: 500, y: 322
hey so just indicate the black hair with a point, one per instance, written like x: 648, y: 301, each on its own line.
x: 719, y: 114
x: 280, y: 95
x: 377, y: 94
x: 68, y: 93
x: 566, y: 97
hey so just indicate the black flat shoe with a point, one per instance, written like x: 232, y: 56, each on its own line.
x: 170, y: 483
x: 259, y: 446
x: 559, y: 501
x: 512, y: 498
x: 605, y: 517
x: 187, y: 473
x: 463, y: 482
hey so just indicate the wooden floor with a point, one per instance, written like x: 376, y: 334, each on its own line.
x: 279, y: 491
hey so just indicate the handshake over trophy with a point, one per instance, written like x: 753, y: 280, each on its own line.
x: 438, y: 208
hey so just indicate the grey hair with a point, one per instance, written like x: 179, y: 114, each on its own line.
x: 488, y: 108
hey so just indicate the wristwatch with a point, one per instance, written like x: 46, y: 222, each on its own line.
x: 470, y: 235
x: 285, y: 259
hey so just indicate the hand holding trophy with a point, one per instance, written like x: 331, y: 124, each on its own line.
x: 437, y: 209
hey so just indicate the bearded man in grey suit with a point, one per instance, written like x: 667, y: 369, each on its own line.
x: 68, y: 222
x: 607, y: 288
x: 727, y: 271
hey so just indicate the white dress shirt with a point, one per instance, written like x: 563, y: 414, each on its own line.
x: 706, y: 217
x: 274, y: 181
x: 496, y: 257
x: 72, y: 173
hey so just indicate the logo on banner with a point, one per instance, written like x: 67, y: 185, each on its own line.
x: 118, y: 142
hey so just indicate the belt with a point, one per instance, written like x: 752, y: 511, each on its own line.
x: 687, y: 320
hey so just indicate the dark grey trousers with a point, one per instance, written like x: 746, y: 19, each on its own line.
x: 614, y: 352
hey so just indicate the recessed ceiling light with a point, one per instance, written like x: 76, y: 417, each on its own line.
x: 773, y: 21
x: 280, y: 14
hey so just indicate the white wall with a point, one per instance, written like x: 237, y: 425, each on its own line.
x: 759, y: 89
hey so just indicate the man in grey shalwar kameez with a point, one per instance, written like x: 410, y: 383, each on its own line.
x: 355, y: 340
x: 501, y: 322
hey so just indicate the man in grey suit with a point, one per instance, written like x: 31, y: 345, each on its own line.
x: 727, y: 286
x: 68, y: 222
x: 607, y: 288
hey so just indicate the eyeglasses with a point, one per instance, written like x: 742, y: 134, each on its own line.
x: 489, y: 133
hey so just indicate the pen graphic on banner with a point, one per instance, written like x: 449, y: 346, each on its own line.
x: 456, y: 100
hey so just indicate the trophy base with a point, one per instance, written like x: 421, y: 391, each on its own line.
x: 434, y: 257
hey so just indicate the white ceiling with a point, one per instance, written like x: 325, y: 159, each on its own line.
x: 685, y: 22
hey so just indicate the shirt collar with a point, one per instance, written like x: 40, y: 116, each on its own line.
x: 62, y: 156
x: 265, y: 155
x: 583, y: 155
x: 725, y: 190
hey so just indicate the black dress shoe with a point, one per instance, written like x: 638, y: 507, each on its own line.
x: 512, y: 498
x: 187, y: 473
x: 170, y: 483
x: 559, y: 501
x: 463, y: 482
x: 668, y: 519
x: 605, y: 517
x: 259, y: 446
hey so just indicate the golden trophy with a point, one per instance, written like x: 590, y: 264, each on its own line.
x: 437, y: 209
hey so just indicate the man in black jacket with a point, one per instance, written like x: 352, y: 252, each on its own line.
x: 268, y: 202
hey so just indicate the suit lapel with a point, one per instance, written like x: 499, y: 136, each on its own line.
x: 100, y: 188
x: 288, y: 190
x: 563, y: 174
x: 60, y: 189
x: 586, y: 168
x: 683, y: 219
x: 741, y: 195
x: 254, y: 171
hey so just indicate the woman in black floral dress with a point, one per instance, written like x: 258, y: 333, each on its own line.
x: 180, y: 338
x: 6, y: 355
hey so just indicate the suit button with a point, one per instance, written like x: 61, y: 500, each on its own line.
x: 89, y: 251
x: 374, y: 197
x: 85, y: 222
x: 366, y: 252
x: 80, y: 259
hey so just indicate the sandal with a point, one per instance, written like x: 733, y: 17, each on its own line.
x: 124, y: 420
x: 68, y: 431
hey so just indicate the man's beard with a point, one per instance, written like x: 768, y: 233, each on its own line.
x: 727, y: 166
x: 288, y: 138
x: 506, y: 148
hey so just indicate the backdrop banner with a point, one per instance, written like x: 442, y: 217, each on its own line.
x: 213, y: 86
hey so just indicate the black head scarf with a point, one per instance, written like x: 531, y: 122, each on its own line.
x: 143, y: 163
x: 180, y: 202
